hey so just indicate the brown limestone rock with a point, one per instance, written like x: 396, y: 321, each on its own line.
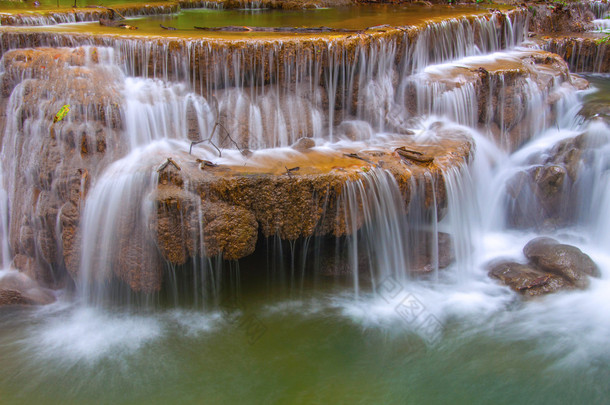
x: 526, y: 279
x: 560, y: 17
x: 422, y: 256
x: 566, y: 261
x: 304, y: 144
x: 229, y: 231
x: 18, y: 288
x: 53, y: 161
x: 545, y: 196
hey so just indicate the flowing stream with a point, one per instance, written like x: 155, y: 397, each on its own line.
x: 273, y: 327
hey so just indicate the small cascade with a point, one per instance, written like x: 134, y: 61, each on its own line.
x: 154, y: 111
x: 5, y: 256
x: 375, y: 201
x: 581, y: 54
x: 599, y: 8
x: 39, y: 19
x: 462, y: 221
x: 591, y: 187
x: 209, y: 4
x: 70, y: 16
x: 506, y: 94
x: 118, y: 209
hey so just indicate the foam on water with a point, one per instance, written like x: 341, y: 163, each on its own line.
x: 88, y: 335
x: 69, y: 334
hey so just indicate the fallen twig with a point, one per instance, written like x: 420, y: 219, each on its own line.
x: 167, y: 163
x: 216, y: 125
x: 114, y: 23
x: 356, y: 156
x: 292, y: 169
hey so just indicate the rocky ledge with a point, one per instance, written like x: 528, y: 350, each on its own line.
x: 206, y: 209
x: 501, y: 86
x: 586, y: 53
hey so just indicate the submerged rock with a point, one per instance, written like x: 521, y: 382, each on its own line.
x: 423, y: 255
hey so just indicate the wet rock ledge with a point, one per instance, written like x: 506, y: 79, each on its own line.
x: 203, y: 210
x: 203, y: 205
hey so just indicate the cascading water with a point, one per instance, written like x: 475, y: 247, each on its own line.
x: 5, y: 257
x: 117, y: 209
x: 378, y: 201
x: 155, y: 111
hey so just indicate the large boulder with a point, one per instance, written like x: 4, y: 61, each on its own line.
x: 566, y: 261
x: 552, y: 267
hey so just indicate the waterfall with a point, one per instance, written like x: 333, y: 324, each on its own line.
x: 463, y: 217
x: 117, y: 209
x: 359, y: 92
x: 155, y: 111
x: 592, y: 186
x: 376, y: 201
x: 5, y: 257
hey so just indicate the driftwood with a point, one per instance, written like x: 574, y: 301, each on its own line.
x: 116, y: 23
x: 299, y: 30
x: 411, y: 154
x: 167, y: 28
x: 356, y: 156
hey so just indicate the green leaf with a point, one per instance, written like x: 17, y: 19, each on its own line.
x: 61, y: 113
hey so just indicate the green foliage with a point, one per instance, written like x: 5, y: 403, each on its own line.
x: 604, y: 40
x: 532, y: 9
